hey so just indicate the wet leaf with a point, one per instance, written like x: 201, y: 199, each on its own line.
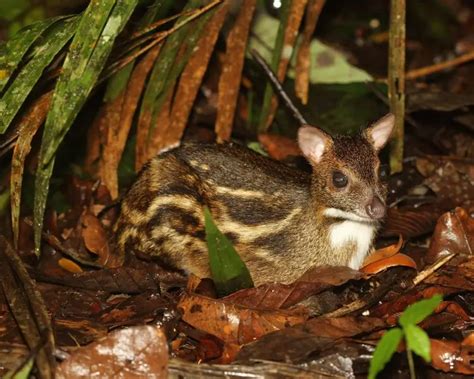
x: 141, y: 351
x: 383, y: 352
x: 228, y: 270
x: 385, y: 252
x: 230, y: 78
x: 452, y: 356
x: 454, y: 234
x: 392, y: 261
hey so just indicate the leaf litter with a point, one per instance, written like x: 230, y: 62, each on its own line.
x: 98, y: 304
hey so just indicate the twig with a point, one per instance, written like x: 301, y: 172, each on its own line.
x: 431, y: 269
x: 377, y: 294
x: 428, y: 70
x: 278, y: 88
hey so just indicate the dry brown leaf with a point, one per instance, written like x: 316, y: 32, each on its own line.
x: 303, y: 60
x: 409, y: 223
x: 29, y: 125
x: 452, y: 356
x: 385, y: 252
x: 454, y: 233
x: 118, y: 125
x: 232, y: 323
x: 291, y: 32
x: 96, y: 241
x: 281, y: 296
x: 229, y: 81
x: 69, y: 265
x: 391, y: 261
x: 279, y: 147
x: 140, y: 351
x: 191, y: 77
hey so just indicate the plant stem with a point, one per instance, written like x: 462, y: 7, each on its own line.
x: 411, y: 364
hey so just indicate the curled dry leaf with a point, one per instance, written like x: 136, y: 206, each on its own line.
x: 29, y: 125
x: 141, y: 351
x: 281, y: 296
x: 454, y: 234
x: 233, y: 323
x: 385, y: 252
x: 279, y: 147
x: 96, y: 241
x: 229, y: 81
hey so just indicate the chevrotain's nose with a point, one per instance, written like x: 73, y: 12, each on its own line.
x: 376, y: 208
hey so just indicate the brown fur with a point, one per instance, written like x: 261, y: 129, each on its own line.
x: 272, y: 213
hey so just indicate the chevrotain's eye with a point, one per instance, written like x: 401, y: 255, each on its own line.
x: 384, y: 171
x: 339, y: 179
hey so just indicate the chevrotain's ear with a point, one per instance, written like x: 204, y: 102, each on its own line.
x: 313, y: 142
x: 379, y: 132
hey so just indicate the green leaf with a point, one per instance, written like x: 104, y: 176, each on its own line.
x: 28, y: 76
x: 98, y: 28
x: 228, y: 271
x: 16, y: 47
x: 383, y: 352
x: 418, y: 311
x: 23, y: 373
x: 418, y: 341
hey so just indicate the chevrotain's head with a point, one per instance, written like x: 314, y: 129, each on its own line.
x: 347, y: 179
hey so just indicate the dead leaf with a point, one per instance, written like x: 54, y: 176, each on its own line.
x: 116, y: 133
x: 279, y: 147
x: 69, y: 265
x: 233, y: 323
x: 141, y: 351
x: 29, y: 125
x: 452, y: 356
x: 229, y: 81
x: 295, y: 17
x: 454, y: 234
x: 96, y: 241
x: 409, y: 223
x: 192, y: 75
x: 303, y: 61
x: 274, y: 296
x: 385, y: 252
x: 310, y: 338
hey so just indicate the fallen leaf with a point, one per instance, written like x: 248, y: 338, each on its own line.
x: 233, y: 323
x: 274, y: 296
x: 69, y: 265
x: 279, y: 147
x: 141, y: 351
x: 454, y: 234
x: 452, y: 356
x: 409, y: 223
x: 398, y: 259
x: 384, y: 252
